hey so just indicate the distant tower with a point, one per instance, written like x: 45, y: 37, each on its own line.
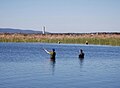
x: 43, y: 29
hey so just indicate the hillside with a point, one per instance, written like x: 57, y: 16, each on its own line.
x: 10, y: 30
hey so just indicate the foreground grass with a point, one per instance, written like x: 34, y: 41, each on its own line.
x: 113, y: 40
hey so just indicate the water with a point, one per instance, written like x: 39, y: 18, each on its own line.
x: 27, y: 65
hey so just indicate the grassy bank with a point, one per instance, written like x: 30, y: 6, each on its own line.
x: 99, y: 39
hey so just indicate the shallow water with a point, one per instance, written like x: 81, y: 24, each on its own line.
x: 27, y: 65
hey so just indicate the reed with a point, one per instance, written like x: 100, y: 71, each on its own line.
x: 50, y: 38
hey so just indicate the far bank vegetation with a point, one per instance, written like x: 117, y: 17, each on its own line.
x: 91, y: 38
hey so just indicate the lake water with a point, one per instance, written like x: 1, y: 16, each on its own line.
x: 27, y: 65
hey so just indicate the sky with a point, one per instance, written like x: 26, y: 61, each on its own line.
x: 61, y: 16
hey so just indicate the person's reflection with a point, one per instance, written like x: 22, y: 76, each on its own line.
x: 52, y: 62
x: 81, y: 62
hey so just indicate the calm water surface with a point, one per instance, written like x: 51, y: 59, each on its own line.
x: 27, y: 65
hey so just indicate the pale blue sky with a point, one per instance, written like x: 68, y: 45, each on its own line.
x: 61, y: 15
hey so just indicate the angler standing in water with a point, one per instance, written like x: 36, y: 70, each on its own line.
x: 52, y: 54
x: 81, y: 55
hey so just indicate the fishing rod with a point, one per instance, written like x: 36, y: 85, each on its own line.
x: 46, y: 50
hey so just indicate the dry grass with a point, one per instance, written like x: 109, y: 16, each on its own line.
x: 102, y: 38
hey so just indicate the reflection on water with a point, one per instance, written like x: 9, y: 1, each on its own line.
x: 81, y: 61
x: 52, y: 63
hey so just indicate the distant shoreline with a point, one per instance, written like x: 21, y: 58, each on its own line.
x: 102, y: 38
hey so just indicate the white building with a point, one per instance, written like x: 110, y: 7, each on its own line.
x: 43, y: 30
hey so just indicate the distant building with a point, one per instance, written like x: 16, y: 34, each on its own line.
x: 43, y: 30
